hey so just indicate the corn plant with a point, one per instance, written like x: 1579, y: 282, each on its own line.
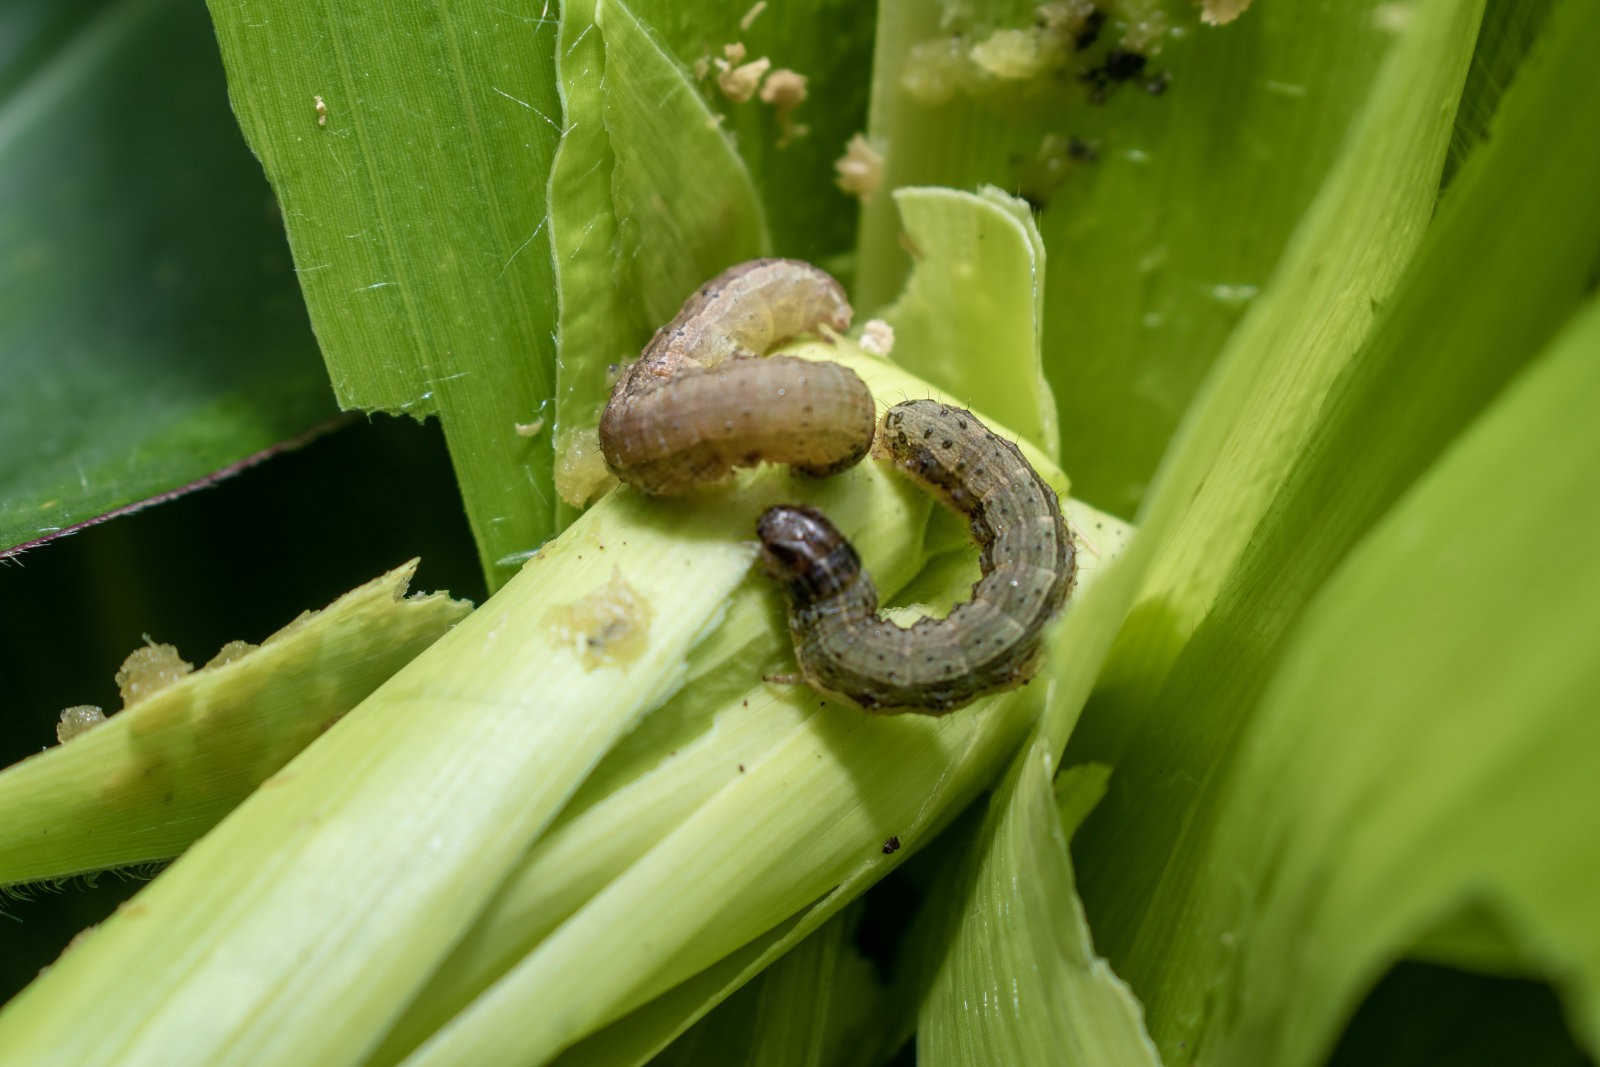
x: 1292, y: 303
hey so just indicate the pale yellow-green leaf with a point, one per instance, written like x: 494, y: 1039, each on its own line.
x: 151, y: 779
x: 1016, y: 979
x: 437, y: 784
x: 1166, y: 201
x: 431, y: 789
x: 970, y: 317
x: 819, y: 1006
x: 1343, y: 261
x: 1418, y: 759
x: 865, y: 779
x: 1509, y: 252
x: 647, y: 200
x: 1265, y: 402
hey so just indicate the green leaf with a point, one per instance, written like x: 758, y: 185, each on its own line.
x: 1016, y: 979
x: 660, y: 181
x: 1158, y: 242
x: 146, y: 783
x: 648, y: 1028
x: 647, y: 201
x: 816, y: 1007
x: 1267, y: 399
x: 1078, y: 789
x: 1510, y: 254
x: 970, y: 316
x: 540, y: 682
x: 409, y: 147
x: 830, y: 42
x: 757, y: 857
x: 667, y: 147
x: 1267, y: 396
x: 141, y: 349
x: 437, y: 809
x: 1384, y: 785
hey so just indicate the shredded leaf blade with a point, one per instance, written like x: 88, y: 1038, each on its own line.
x: 153, y: 778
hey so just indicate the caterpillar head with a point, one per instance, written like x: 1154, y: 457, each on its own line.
x: 801, y: 548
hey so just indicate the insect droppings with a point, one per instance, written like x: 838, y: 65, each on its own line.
x: 988, y: 643
x: 78, y: 719
x: 609, y: 627
x: 697, y: 403
x: 149, y: 669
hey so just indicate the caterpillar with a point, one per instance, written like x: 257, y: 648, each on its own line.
x: 696, y: 403
x: 988, y: 643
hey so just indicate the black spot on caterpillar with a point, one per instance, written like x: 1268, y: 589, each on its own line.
x: 988, y: 643
x: 697, y: 403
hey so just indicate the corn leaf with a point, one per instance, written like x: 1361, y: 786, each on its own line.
x: 714, y: 733
x: 1314, y: 777
x: 748, y: 874
x: 1225, y: 469
x: 790, y: 160
x: 976, y: 339
x: 816, y: 1007
x: 1166, y: 714
x: 660, y: 181
x: 1510, y: 27
x: 1384, y: 786
x: 1165, y: 213
x: 435, y: 807
x: 141, y: 350
x: 541, y: 681
x: 647, y: 200
x: 1009, y: 922
x: 409, y: 146
x: 146, y: 783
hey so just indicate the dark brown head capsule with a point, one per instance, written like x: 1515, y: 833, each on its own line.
x: 802, y: 549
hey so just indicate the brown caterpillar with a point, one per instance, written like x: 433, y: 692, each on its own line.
x: 991, y: 641
x: 696, y: 404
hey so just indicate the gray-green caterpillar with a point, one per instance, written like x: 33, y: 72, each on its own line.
x: 988, y: 643
x: 697, y: 403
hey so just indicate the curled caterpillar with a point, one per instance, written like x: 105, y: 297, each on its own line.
x: 988, y: 643
x: 697, y: 404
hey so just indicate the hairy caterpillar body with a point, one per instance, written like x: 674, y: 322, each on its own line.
x: 988, y: 643
x: 698, y: 403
